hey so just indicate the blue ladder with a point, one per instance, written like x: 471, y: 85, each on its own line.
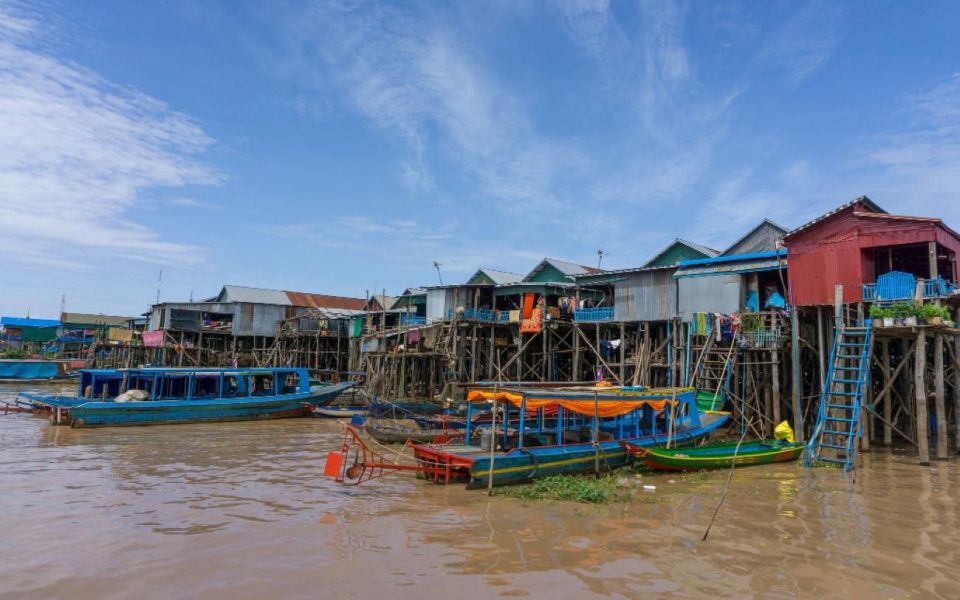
x: 835, y: 436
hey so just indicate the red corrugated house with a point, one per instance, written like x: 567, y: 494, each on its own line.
x: 858, y: 242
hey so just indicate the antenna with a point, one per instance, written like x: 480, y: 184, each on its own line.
x: 600, y: 255
x: 159, y: 281
x: 191, y: 295
x: 63, y: 304
x: 437, y: 266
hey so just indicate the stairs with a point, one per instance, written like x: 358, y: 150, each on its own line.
x: 834, y: 439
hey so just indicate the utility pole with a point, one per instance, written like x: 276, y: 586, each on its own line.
x: 437, y: 266
x: 600, y: 255
x: 159, y: 281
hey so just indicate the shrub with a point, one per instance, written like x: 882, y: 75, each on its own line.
x: 878, y: 312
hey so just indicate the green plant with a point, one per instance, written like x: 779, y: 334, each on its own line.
x: 932, y: 311
x: 902, y: 311
x: 750, y: 323
x: 879, y: 312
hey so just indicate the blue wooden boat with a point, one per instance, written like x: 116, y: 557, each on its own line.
x: 153, y: 396
x: 584, y: 433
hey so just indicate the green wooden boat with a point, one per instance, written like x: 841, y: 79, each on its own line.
x: 708, y: 400
x: 715, y: 456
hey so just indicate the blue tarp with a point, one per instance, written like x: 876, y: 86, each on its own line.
x: 19, y: 322
x: 28, y: 369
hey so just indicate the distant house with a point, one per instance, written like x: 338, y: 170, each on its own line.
x: 646, y: 293
x: 16, y: 332
x: 749, y: 275
x: 249, y: 311
x: 859, y: 243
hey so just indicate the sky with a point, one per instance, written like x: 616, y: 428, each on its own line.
x: 343, y: 147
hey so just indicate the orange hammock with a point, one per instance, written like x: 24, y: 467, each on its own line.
x: 602, y: 408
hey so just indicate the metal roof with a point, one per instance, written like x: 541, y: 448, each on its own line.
x: 498, y: 277
x: 783, y: 231
x: 729, y: 268
x: 22, y: 322
x: 88, y: 319
x: 867, y: 202
x: 698, y: 247
x: 695, y: 262
x: 567, y: 268
x: 252, y: 295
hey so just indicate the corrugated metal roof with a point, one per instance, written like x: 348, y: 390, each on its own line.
x: 325, y: 301
x: 766, y: 222
x: 729, y: 268
x: 697, y: 247
x: 23, y: 322
x: 567, y: 268
x: 696, y: 262
x: 88, y: 319
x: 252, y: 295
x: 867, y: 202
x: 498, y: 277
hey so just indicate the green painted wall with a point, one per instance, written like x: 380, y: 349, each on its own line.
x: 675, y: 254
x: 550, y: 274
x: 479, y: 279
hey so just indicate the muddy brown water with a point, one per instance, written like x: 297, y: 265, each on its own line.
x: 242, y: 510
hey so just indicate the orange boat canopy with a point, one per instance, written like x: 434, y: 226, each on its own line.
x: 602, y: 408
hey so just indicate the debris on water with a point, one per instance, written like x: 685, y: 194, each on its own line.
x: 649, y: 488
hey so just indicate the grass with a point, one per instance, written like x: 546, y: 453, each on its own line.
x: 618, y: 486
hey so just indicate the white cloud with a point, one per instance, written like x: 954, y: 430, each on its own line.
x: 76, y: 153
x: 413, y: 77
x: 917, y: 164
x: 805, y: 40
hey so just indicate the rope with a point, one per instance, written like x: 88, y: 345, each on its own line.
x: 726, y: 489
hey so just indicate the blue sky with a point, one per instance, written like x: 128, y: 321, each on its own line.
x: 343, y: 147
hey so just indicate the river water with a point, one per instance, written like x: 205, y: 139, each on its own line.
x: 242, y: 510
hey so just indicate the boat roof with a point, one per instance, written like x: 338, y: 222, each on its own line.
x: 188, y: 370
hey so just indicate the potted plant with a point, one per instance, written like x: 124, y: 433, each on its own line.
x: 933, y: 314
x: 882, y: 317
x: 899, y: 313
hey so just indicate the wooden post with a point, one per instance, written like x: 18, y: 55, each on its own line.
x: 795, y: 372
x: 623, y: 354
x: 956, y: 382
x: 939, y: 394
x: 822, y: 358
x: 775, y: 383
x: 920, y: 395
x: 888, y: 397
x: 932, y: 258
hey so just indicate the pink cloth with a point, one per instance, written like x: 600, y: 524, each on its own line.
x: 153, y: 339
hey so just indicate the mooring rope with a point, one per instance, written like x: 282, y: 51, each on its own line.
x: 726, y: 490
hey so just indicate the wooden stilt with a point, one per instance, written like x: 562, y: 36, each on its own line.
x: 939, y: 393
x: 887, y: 399
x: 920, y: 395
x: 795, y: 373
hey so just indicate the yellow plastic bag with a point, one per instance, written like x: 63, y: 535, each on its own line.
x: 784, y: 432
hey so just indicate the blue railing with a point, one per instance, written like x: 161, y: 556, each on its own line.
x: 905, y: 288
x: 406, y: 319
x: 503, y: 316
x: 593, y: 314
x: 472, y: 314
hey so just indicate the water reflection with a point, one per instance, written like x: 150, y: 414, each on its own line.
x: 242, y: 509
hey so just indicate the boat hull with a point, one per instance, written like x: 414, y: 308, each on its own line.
x: 716, y: 456
x: 165, y: 412
x: 522, y: 465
